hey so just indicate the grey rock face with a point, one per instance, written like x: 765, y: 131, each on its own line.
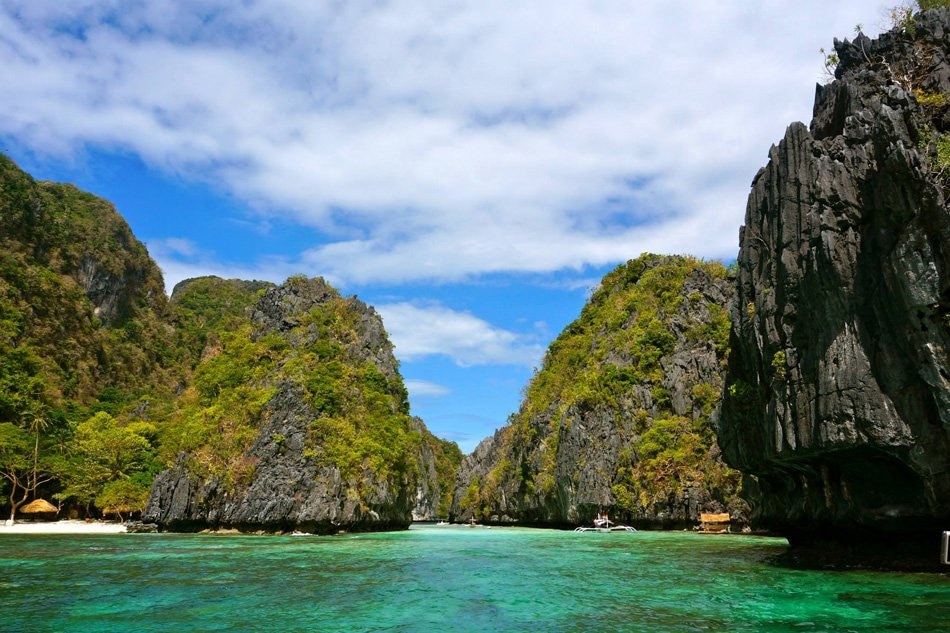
x: 103, y: 289
x: 116, y: 288
x: 429, y: 488
x: 837, y: 403
x: 281, y: 307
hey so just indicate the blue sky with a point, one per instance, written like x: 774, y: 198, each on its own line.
x: 469, y: 168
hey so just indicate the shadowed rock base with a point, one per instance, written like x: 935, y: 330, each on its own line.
x: 284, y: 527
x: 909, y: 550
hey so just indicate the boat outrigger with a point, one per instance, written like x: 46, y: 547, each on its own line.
x: 603, y: 524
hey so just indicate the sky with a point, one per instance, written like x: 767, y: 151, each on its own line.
x: 469, y: 168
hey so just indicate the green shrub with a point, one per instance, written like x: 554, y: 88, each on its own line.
x: 779, y: 365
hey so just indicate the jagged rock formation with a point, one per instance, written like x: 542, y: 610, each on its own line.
x: 617, y: 419
x: 837, y: 403
x: 323, y: 441
x: 429, y: 488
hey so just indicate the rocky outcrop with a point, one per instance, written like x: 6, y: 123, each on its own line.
x: 617, y: 418
x: 332, y: 449
x: 281, y: 310
x: 283, y: 405
x: 283, y: 489
x: 76, y: 234
x: 837, y: 403
x: 112, y: 267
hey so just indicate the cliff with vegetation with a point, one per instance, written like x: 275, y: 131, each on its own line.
x: 837, y: 404
x: 81, y: 301
x: 438, y: 460
x: 104, y: 384
x: 617, y: 419
x: 297, y: 419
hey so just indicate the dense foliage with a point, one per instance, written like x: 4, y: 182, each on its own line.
x: 203, y: 308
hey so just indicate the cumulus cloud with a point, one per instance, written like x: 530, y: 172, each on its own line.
x: 420, y: 331
x: 434, y: 140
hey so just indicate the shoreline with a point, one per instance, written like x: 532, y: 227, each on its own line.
x: 62, y: 527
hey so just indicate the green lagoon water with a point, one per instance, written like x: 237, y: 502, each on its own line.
x: 446, y: 579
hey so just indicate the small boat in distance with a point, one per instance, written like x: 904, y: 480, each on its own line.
x: 603, y: 524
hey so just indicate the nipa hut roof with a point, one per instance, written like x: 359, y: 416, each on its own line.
x: 37, y: 506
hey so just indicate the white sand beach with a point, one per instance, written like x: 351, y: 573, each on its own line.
x: 61, y: 527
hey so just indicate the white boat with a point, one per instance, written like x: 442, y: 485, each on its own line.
x: 604, y: 524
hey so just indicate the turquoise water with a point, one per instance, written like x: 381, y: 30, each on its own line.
x: 446, y: 579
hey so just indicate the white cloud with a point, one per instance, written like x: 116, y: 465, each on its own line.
x: 435, y: 140
x: 426, y: 389
x: 420, y: 331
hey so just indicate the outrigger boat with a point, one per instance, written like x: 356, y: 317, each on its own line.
x: 603, y: 524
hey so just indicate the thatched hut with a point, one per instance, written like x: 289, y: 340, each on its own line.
x: 40, y: 509
x: 711, y: 523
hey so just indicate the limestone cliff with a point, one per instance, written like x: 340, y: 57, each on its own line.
x: 81, y: 301
x: 297, y: 420
x: 617, y: 418
x: 438, y: 461
x: 837, y: 402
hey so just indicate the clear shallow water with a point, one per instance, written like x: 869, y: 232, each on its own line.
x: 446, y: 579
